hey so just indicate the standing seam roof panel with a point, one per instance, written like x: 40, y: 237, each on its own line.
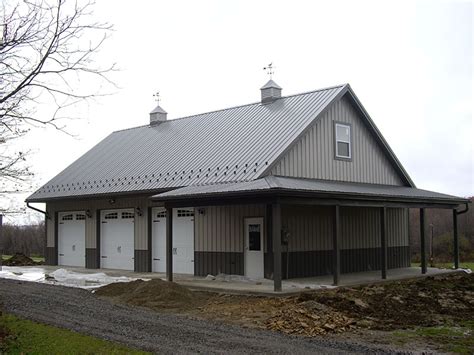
x: 251, y: 134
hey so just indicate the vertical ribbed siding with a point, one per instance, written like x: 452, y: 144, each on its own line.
x: 50, y: 223
x: 219, y: 234
x: 221, y: 228
x: 360, y: 228
x: 313, y: 155
x: 311, y: 231
x: 311, y: 227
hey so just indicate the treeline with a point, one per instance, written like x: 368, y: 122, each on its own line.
x: 439, y: 228
x: 28, y: 239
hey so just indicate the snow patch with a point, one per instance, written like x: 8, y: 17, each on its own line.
x: 62, y: 277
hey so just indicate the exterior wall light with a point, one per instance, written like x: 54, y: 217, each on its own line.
x: 202, y: 211
x: 88, y: 213
x: 138, y: 211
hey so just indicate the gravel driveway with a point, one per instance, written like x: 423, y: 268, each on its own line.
x: 82, y: 311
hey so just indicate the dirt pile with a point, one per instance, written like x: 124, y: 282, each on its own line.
x: 19, y: 259
x: 394, y: 305
x: 431, y: 301
x: 155, y: 294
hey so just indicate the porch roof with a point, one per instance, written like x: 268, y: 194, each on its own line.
x: 321, y: 189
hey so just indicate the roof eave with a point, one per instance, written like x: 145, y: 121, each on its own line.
x: 284, y: 192
x: 100, y: 195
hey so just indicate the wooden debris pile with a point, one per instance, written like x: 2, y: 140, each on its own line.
x: 310, y: 319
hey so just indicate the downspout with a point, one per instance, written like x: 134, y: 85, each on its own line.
x: 456, y: 213
x: 46, y: 215
x: 463, y: 211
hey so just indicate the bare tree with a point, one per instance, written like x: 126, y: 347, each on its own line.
x: 46, y: 47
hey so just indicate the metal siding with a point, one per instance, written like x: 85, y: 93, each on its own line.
x: 91, y: 258
x: 51, y: 256
x: 311, y: 227
x: 220, y: 228
x: 218, y: 262
x: 313, y: 155
x: 397, y: 227
x: 142, y: 261
x: 50, y: 229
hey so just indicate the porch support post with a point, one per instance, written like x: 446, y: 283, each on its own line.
x: 169, y: 243
x: 456, y: 239
x: 422, y: 240
x: 383, y: 241
x: 276, y: 231
x: 336, y: 240
x: 1, y: 240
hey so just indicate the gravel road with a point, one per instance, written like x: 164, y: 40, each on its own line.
x: 82, y: 311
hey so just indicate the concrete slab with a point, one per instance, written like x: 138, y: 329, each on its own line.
x: 239, y: 285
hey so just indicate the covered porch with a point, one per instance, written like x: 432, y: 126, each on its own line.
x: 278, y: 193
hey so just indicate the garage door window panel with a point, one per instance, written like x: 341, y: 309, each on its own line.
x: 71, y: 239
x: 113, y: 215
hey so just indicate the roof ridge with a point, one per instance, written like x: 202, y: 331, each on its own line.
x: 237, y: 106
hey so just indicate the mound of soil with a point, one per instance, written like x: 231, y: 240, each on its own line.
x: 423, y: 302
x: 426, y: 302
x: 155, y: 294
x: 19, y: 259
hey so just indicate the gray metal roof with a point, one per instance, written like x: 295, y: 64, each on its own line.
x: 270, y: 84
x: 280, y: 183
x: 158, y: 109
x: 235, y: 144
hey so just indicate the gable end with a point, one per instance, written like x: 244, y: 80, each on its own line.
x: 313, y: 155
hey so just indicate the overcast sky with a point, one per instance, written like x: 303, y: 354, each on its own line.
x: 410, y: 63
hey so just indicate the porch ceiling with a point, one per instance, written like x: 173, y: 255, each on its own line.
x: 317, y: 191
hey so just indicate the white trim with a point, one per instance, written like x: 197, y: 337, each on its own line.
x: 343, y: 141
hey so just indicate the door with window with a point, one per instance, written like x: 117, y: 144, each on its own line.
x: 183, y: 240
x: 72, y: 239
x: 254, y: 248
x: 117, y: 244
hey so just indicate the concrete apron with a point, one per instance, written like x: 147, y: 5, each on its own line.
x: 265, y: 287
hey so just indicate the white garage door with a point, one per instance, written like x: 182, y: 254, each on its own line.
x: 72, y: 239
x: 117, y: 239
x: 183, y: 240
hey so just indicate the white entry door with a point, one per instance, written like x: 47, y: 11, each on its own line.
x: 117, y: 239
x: 183, y: 240
x: 72, y: 239
x: 158, y: 242
x: 254, y: 248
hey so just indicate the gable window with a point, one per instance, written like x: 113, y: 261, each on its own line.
x: 343, y: 141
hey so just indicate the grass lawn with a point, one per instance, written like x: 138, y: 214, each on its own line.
x: 456, y: 339
x: 27, y: 337
x: 466, y: 265
x: 35, y: 258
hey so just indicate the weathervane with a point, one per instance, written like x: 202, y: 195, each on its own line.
x: 270, y: 69
x: 157, y: 96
